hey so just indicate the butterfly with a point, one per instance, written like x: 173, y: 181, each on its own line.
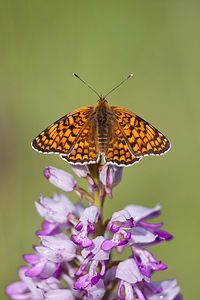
x: 85, y: 135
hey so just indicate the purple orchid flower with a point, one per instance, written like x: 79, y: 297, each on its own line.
x: 119, y: 222
x: 61, y: 179
x: 140, y: 213
x: 165, y: 290
x: 56, y: 209
x: 29, y: 288
x: 110, y: 176
x: 48, y: 257
x: 82, y: 172
x: 94, y: 256
x: 85, y: 226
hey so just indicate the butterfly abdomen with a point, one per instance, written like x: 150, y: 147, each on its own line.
x: 102, y: 140
x: 102, y: 121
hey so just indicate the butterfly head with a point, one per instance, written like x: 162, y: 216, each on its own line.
x: 102, y: 99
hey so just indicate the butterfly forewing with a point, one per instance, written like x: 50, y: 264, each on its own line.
x: 141, y: 138
x: 61, y: 137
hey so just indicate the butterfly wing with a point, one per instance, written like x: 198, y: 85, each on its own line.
x: 86, y: 149
x: 140, y: 137
x: 117, y: 150
x: 62, y: 136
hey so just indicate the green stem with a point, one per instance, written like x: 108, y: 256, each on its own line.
x: 99, y: 196
x: 95, y: 176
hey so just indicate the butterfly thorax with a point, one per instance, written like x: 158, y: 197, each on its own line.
x: 102, y: 113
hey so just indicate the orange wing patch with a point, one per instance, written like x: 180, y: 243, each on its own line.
x: 141, y: 138
x: 61, y: 136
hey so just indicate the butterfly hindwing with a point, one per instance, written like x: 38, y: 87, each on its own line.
x: 86, y: 148
x: 141, y: 137
x: 117, y: 150
x: 61, y: 136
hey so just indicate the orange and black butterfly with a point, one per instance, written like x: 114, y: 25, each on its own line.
x: 91, y: 132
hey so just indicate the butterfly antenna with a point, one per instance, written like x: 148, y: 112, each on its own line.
x: 119, y: 84
x: 86, y: 84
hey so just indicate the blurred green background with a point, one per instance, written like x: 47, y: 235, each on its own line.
x: 42, y: 43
